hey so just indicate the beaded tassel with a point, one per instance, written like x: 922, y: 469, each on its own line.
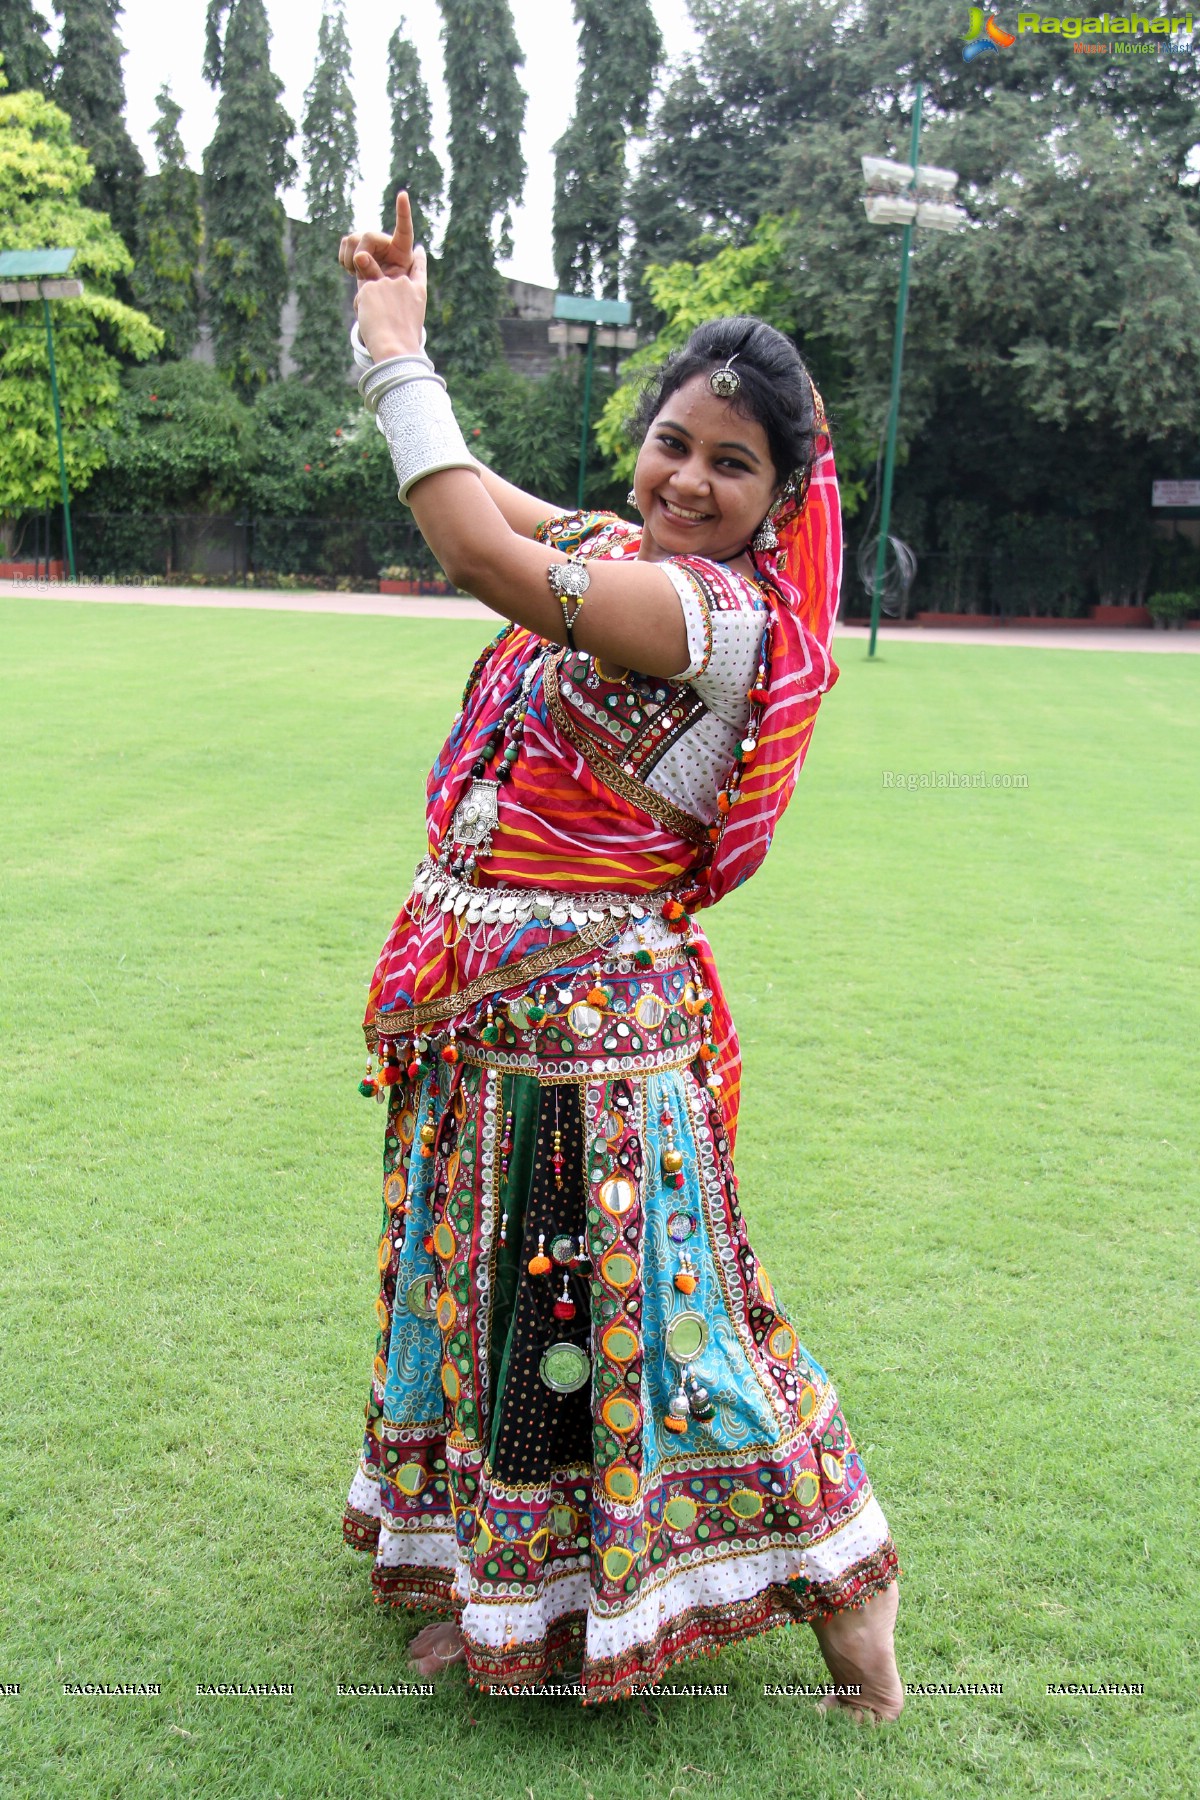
x: 564, y: 1306
x: 540, y: 1264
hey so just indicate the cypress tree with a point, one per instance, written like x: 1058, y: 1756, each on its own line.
x: 28, y: 58
x: 414, y: 166
x: 89, y: 85
x: 487, y: 109
x: 331, y: 152
x: 170, y: 236
x: 244, y: 166
x: 619, y: 51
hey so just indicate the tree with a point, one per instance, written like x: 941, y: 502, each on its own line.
x: 90, y: 86
x: 414, y: 166
x: 761, y: 69
x: 28, y: 60
x: 619, y: 52
x: 170, y: 237
x: 244, y: 166
x: 43, y: 176
x: 331, y: 151
x: 1048, y: 369
x: 487, y: 109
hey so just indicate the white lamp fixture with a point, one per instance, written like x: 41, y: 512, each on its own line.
x: 882, y: 175
x: 890, y: 209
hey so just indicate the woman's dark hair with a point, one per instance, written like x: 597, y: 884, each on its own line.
x: 776, y: 389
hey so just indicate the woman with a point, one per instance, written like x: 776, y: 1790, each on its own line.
x: 592, y: 1435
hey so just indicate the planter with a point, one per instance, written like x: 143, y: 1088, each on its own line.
x: 940, y: 618
x: 425, y: 585
x: 32, y: 571
x: 1048, y: 622
x: 1017, y: 621
x: 1121, y: 616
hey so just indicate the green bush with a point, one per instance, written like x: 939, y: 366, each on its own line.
x: 1173, y: 607
x: 181, y: 444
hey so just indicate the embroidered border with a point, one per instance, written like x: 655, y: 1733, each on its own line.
x: 673, y: 818
x: 398, y: 1024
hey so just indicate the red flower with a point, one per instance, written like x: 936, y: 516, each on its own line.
x: 476, y: 431
x: 338, y: 432
x: 308, y: 468
x: 154, y: 396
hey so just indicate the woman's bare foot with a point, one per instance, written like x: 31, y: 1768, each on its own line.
x: 858, y: 1644
x: 436, y: 1645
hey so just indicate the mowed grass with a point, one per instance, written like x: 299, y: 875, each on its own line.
x: 967, y: 1157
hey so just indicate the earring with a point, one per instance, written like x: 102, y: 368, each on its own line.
x: 631, y: 500
x: 766, y: 537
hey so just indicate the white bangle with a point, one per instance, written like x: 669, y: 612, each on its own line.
x: 359, y: 351
x: 422, y: 433
x: 395, y: 372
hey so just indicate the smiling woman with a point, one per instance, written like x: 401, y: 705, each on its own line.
x: 593, y: 1434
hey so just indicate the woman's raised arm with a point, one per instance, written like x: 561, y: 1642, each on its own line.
x: 480, y: 527
x: 391, y: 259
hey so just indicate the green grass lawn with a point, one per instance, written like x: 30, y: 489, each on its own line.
x: 967, y: 1155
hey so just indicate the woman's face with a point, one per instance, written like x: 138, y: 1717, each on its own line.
x: 704, y: 479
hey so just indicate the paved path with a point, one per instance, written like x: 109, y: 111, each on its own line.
x: 401, y: 606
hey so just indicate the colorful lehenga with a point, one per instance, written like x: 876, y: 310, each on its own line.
x: 592, y: 1432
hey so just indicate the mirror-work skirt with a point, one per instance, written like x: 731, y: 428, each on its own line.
x: 592, y: 1433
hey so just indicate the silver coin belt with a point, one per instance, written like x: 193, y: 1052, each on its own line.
x: 490, y: 917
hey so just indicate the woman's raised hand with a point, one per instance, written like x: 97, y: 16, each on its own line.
x: 390, y: 302
x: 386, y: 256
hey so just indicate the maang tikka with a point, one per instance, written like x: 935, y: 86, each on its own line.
x: 725, y: 381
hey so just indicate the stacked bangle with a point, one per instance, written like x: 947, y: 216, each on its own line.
x: 412, y: 409
x: 394, y: 372
x: 361, y: 354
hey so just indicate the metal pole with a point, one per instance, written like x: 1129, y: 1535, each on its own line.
x: 889, y: 461
x: 587, y: 410
x: 62, y: 461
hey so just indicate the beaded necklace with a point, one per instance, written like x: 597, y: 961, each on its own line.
x: 469, y: 834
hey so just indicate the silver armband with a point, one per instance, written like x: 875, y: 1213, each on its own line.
x: 422, y: 433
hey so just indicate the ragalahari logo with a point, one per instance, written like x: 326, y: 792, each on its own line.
x: 984, y: 35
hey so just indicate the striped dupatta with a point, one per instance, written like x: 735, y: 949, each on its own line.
x: 802, y: 581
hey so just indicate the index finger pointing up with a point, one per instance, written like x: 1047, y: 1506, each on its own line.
x: 401, y: 248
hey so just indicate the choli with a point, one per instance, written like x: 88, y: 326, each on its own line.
x: 675, y: 737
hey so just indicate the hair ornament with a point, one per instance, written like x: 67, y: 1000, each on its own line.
x: 725, y: 381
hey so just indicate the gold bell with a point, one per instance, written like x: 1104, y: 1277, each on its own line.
x: 428, y: 1133
x: 672, y: 1161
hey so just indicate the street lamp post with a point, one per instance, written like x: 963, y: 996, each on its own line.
x: 905, y: 194
x: 579, y: 310
x: 39, y: 275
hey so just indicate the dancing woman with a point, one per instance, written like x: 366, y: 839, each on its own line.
x: 593, y: 1436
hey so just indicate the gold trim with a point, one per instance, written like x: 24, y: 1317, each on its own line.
x: 391, y: 1025
x: 626, y: 785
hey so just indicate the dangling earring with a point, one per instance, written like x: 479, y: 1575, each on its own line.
x: 632, y: 500
x: 766, y: 537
